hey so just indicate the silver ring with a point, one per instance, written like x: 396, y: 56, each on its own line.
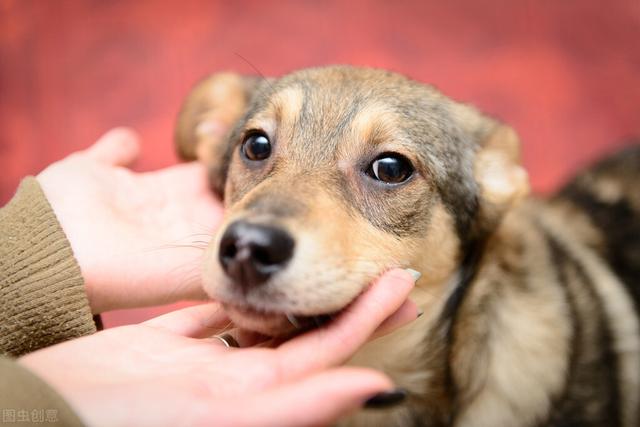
x: 228, y: 340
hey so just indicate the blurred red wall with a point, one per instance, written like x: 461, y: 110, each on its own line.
x: 565, y: 74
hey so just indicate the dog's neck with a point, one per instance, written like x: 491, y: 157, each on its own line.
x: 417, y: 356
x: 414, y: 356
x: 453, y: 359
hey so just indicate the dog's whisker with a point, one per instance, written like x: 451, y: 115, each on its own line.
x: 292, y: 319
x: 206, y: 229
x: 164, y: 247
x: 264, y: 79
x: 200, y: 234
x: 229, y: 326
x: 182, y: 243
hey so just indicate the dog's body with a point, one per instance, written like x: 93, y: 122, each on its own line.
x: 530, y: 306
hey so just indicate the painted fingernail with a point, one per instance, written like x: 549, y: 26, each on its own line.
x: 386, y: 399
x: 415, y: 274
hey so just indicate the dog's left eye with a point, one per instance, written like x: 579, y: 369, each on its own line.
x: 390, y: 168
x: 256, y: 146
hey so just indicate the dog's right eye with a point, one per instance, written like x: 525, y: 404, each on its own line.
x: 256, y: 146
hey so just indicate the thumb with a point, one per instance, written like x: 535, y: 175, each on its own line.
x: 117, y: 147
x: 200, y: 320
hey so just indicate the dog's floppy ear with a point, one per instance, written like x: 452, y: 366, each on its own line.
x: 497, y: 168
x: 206, y: 118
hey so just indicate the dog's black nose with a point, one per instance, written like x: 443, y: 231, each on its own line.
x: 251, y: 253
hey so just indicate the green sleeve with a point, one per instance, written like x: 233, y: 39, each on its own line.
x: 42, y: 294
x: 26, y: 400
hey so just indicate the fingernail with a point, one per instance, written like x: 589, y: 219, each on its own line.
x: 415, y: 274
x: 386, y: 399
x: 420, y: 312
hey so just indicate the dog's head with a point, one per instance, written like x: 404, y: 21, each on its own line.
x: 331, y: 176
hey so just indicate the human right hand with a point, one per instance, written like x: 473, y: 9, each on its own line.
x: 138, y: 237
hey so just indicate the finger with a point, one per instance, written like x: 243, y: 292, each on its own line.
x: 332, y: 345
x: 407, y: 313
x: 189, y: 182
x: 239, y: 338
x: 250, y: 339
x: 198, y: 321
x: 320, y: 399
x: 225, y: 339
x: 118, y: 147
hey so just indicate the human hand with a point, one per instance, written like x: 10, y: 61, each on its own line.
x: 138, y: 237
x: 165, y: 372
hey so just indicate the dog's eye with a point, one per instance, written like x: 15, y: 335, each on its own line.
x: 256, y: 146
x: 390, y: 168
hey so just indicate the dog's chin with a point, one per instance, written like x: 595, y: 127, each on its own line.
x: 270, y: 324
x: 273, y: 324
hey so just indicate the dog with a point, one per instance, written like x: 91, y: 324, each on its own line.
x: 330, y: 176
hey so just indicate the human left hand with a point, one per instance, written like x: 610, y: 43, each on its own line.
x: 168, y: 371
x: 138, y: 237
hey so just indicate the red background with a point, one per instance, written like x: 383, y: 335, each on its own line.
x: 565, y: 74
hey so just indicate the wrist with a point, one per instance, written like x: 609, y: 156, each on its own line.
x: 65, y: 220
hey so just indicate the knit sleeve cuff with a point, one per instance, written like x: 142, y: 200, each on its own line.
x: 42, y: 294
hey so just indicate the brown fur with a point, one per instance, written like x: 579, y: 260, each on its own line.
x: 525, y: 323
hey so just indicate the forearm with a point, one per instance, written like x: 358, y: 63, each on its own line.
x: 42, y: 295
x: 27, y: 400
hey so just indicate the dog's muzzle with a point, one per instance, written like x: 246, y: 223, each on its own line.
x: 251, y: 253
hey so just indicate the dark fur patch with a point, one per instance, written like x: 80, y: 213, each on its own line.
x: 619, y: 220
x: 472, y: 260
x: 591, y: 395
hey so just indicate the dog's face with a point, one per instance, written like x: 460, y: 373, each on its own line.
x: 334, y: 175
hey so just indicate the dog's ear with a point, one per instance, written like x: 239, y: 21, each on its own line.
x: 497, y: 168
x: 206, y: 118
